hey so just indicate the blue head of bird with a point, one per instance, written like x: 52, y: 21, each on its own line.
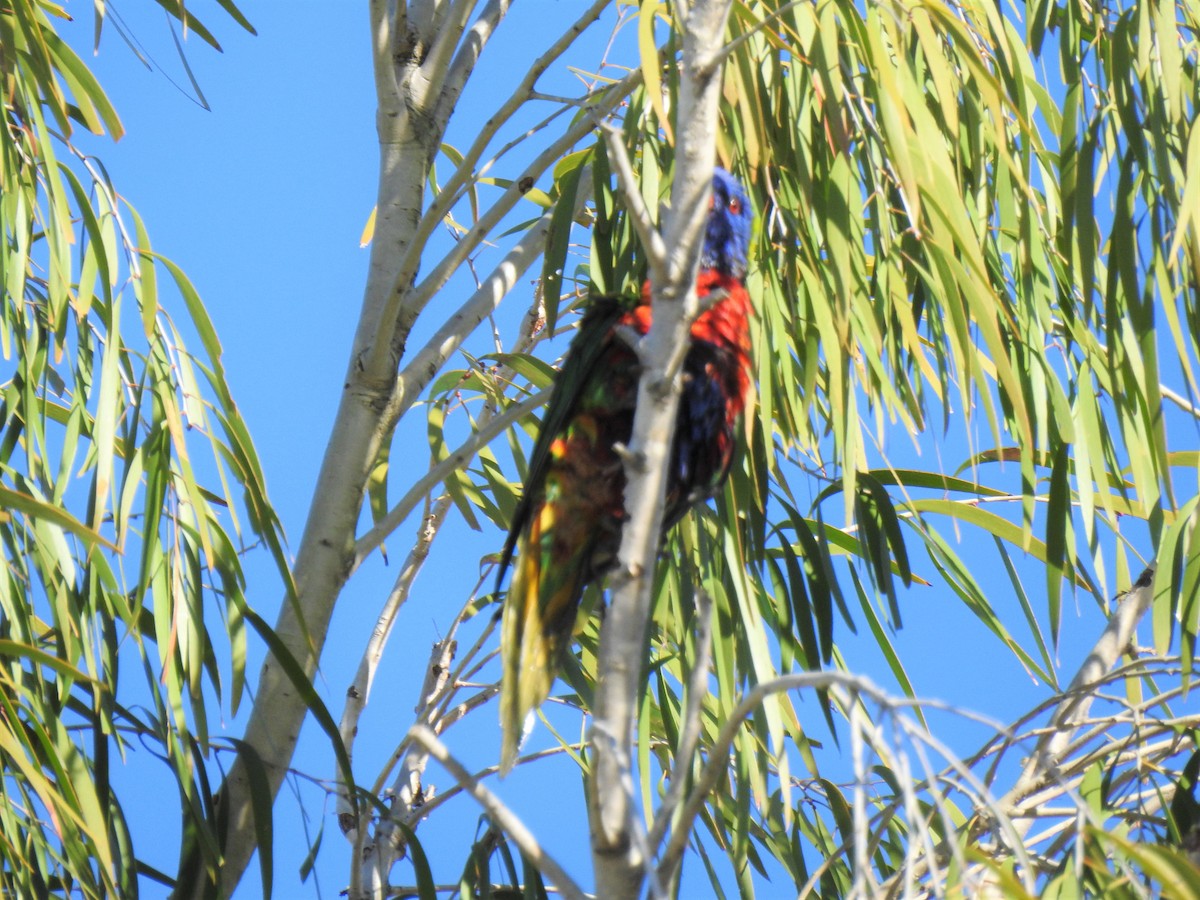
x: 727, y: 235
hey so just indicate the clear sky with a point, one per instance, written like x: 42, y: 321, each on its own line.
x: 262, y: 199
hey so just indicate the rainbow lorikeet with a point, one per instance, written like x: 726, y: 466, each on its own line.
x: 567, y: 527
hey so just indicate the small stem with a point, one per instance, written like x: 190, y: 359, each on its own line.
x: 643, y: 222
x: 1077, y: 699
x: 499, y: 813
x: 690, y: 730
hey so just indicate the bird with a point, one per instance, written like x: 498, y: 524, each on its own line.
x: 566, y: 529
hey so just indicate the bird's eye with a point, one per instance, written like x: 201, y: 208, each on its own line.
x: 735, y: 205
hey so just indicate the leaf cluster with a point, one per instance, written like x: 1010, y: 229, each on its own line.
x: 129, y: 489
x: 955, y: 251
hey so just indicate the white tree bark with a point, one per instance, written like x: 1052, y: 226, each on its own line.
x: 618, y: 838
x: 424, y: 51
x: 1020, y: 805
x: 1042, y: 768
x: 415, y: 99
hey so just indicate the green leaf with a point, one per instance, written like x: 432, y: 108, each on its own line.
x: 31, y: 506
x: 1059, y: 536
x: 558, y: 238
x: 264, y: 829
x: 426, y: 888
x: 648, y: 11
x: 308, y: 694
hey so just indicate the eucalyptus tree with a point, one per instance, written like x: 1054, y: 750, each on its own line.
x: 130, y: 488
x: 977, y: 234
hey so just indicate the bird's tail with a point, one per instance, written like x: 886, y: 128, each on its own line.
x: 539, y: 617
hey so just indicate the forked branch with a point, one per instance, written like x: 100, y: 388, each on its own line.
x: 500, y: 814
x: 619, y: 849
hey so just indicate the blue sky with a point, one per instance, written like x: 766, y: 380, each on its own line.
x: 262, y: 199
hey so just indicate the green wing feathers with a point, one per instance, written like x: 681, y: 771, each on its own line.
x: 566, y: 529
x: 539, y: 618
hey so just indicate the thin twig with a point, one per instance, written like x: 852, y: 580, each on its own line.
x: 455, y: 790
x: 718, y: 756
x: 374, y: 861
x: 457, y: 459
x: 504, y: 817
x: 643, y: 223
x: 1078, y: 696
x: 690, y: 729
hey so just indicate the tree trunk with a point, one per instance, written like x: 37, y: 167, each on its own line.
x: 618, y: 852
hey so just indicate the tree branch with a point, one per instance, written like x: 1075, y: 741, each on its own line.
x: 446, y: 30
x: 408, y: 259
x: 500, y: 814
x: 459, y: 69
x: 1077, y: 699
x: 372, y: 859
x: 359, y: 692
x: 383, y: 29
x: 643, y: 222
x: 428, y: 361
x: 325, y: 556
x: 691, y: 725
x: 438, y: 473
x: 414, y: 300
x: 373, y: 862
x: 618, y: 843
